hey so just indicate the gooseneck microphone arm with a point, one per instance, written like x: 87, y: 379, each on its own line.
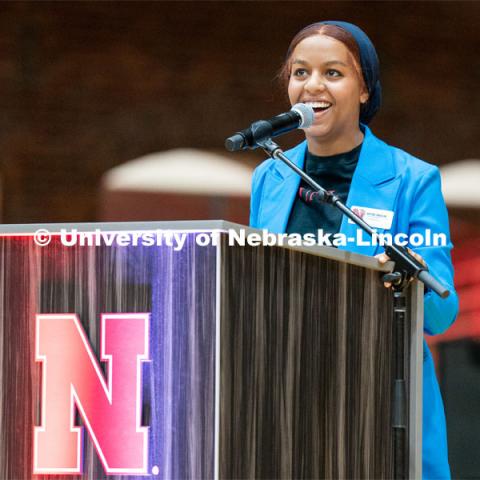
x: 406, y: 265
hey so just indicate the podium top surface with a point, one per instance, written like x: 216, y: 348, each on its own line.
x: 29, y: 229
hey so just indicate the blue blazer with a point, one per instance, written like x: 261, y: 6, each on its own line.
x: 386, y: 178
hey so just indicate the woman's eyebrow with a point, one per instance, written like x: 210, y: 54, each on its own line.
x: 335, y: 62
x: 328, y: 63
x: 300, y: 61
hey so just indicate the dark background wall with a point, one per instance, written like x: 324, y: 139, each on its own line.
x: 85, y: 86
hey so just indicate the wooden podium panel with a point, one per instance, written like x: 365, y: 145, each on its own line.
x: 264, y: 362
x: 307, y: 368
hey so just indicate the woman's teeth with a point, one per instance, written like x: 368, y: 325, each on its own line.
x: 319, y: 106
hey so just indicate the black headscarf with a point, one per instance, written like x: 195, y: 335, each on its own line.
x: 370, y: 68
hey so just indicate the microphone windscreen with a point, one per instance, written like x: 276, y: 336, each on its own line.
x: 306, y: 113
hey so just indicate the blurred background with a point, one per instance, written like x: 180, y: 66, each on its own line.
x: 119, y: 110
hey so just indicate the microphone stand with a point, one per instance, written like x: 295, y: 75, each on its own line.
x: 406, y: 268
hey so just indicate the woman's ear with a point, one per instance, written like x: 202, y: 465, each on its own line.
x: 364, y: 97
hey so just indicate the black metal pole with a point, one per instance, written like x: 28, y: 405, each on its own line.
x: 400, y: 397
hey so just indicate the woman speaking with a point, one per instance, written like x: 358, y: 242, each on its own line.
x: 333, y: 66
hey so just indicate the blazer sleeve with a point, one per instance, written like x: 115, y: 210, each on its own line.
x: 429, y: 217
x: 254, y: 201
x: 256, y: 195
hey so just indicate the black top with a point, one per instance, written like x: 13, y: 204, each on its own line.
x: 332, y: 173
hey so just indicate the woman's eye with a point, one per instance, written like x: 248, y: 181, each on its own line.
x: 333, y: 73
x: 299, y: 72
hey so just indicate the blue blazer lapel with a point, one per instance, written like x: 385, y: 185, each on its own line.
x: 281, y: 186
x: 374, y: 185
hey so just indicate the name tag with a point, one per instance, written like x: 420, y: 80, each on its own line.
x: 375, y: 217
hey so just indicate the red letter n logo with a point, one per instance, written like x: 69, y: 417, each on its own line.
x: 110, y: 407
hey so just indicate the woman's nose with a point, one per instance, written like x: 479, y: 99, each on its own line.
x: 315, y: 84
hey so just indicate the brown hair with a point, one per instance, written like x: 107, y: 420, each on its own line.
x: 319, y: 28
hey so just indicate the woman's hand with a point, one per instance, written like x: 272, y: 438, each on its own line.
x: 384, y: 258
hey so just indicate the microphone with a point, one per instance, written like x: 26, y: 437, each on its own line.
x: 300, y: 116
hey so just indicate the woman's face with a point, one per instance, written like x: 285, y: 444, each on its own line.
x: 323, y: 74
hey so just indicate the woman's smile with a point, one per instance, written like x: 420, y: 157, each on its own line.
x: 320, y: 107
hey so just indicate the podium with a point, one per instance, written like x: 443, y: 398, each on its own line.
x: 256, y: 361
